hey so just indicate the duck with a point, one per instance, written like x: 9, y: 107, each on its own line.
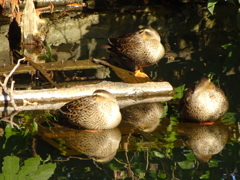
x: 97, y: 111
x: 141, y: 48
x: 203, y: 102
x: 144, y: 116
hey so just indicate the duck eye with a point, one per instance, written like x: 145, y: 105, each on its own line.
x: 148, y: 33
x: 96, y: 95
x: 141, y: 31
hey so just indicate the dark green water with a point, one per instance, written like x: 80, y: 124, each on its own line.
x: 196, y: 42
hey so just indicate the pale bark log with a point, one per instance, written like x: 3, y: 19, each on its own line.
x: 127, y: 94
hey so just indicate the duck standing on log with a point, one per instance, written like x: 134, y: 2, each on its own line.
x: 142, y: 48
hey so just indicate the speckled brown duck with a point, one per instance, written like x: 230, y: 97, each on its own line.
x: 142, y: 48
x: 98, y: 111
x: 203, y: 102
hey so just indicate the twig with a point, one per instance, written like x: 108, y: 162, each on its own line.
x: 72, y: 157
x: 10, y: 93
x: 12, y: 98
x: 9, y: 119
x: 34, y: 147
x: 147, y: 163
x: 4, y: 85
x: 125, y: 164
x: 13, y: 70
x: 130, y: 173
x: 94, y: 162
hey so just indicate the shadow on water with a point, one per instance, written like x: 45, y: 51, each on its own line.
x: 151, y: 142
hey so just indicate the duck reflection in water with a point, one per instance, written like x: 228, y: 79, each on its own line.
x: 98, y: 111
x: 203, y: 102
x: 101, y: 146
x: 144, y: 116
x: 204, y: 140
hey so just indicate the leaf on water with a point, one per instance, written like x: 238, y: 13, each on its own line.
x: 30, y: 167
x: 186, y: 164
x: 47, y: 159
x: 9, y: 131
x: 213, y: 163
x: 87, y: 169
x: 226, y: 46
x: 10, y: 166
x: 165, y: 110
x: 171, y: 136
x: 211, y: 5
x: 162, y: 175
x: 158, y: 154
x: 45, y: 171
x: 190, y: 156
x: 179, y: 91
x: 205, y: 176
x: 230, y: 118
x: 141, y: 175
x: 35, y: 127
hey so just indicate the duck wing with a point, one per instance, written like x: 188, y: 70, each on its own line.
x: 78, y: 104
x: 125, y: 46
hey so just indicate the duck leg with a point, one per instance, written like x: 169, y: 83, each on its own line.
x: 206, y: 123
x: 93, y: 130
x: 138, y: 73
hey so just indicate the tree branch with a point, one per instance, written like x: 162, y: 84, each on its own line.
x: 9, y: 92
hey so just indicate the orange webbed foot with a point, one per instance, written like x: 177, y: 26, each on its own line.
x: 138, y: 73
x: 93, y: 130
x: 206, y: 123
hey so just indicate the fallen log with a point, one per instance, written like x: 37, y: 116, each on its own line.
x: 126, y: 94
x: 52, y: 66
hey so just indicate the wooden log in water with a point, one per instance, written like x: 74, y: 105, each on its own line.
x: 126, y: 94
x: 52, y: 66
